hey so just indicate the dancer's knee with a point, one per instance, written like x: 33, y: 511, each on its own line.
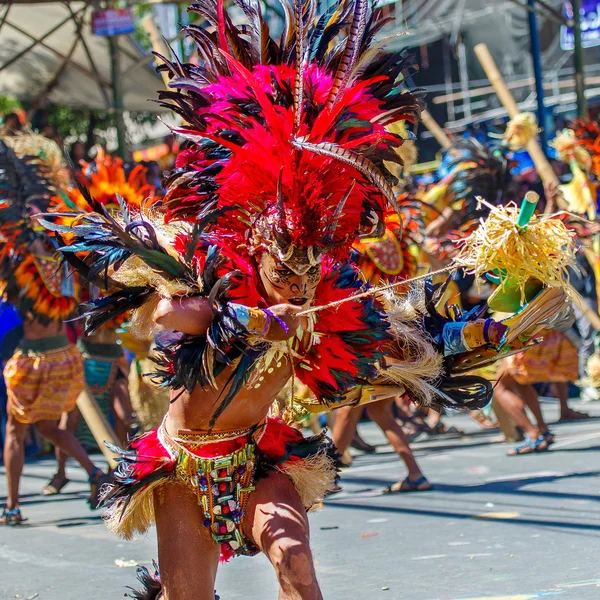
x: 292, y: 559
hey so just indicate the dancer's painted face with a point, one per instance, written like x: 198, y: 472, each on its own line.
x: 283, y: 285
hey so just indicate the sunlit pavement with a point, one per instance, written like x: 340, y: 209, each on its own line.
x: 494, y: 528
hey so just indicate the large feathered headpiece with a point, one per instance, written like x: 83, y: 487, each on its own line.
x: 289, y: 135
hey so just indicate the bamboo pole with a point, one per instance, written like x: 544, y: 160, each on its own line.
x: 545, y: 171
x: 158, y: 43
x: 99, y: 426
x: 590, y: 314
x: 438, y: 133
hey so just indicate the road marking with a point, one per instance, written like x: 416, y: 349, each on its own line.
x: 14, y: 556
x: 459, y: 543
x: 575, y: 440
x: 579, y: 584
x: 526, y: 597
x: 518, y: 476
x: 428, y: 557
x: 498, y: 515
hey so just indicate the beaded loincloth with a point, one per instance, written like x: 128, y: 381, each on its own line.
x: 221, y: 470
x: 221, y: 484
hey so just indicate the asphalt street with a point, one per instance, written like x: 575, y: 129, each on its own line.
x: 494, y: 528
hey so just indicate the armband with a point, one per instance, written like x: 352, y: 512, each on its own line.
x: 255, y: 320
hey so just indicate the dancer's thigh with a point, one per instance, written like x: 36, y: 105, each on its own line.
x: 187, y: 555
x: 277, y: 523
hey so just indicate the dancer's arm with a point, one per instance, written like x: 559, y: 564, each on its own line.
x: 192, y: 315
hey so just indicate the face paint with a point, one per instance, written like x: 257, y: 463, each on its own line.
x: 282, y: 285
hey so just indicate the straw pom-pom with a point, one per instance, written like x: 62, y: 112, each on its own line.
x: 569, y: 149
x: 543, y: 250
x: 521, y: 130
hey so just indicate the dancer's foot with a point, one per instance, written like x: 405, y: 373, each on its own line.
x: 443, y: 429
x: 359, y: 444
x: 479, y: 417
x: 529, y: 446
x: 573, y: 415
x: 408, y: 485
x: 11, y: 517
x: 55, y: 485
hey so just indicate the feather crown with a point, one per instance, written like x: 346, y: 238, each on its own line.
x: 289, y: 136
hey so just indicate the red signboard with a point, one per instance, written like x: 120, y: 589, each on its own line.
x: 112, y: 21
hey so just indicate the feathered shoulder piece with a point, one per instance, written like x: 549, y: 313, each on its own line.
x: 291, y: 134
x: 349, y: 340
x: 31, y: 173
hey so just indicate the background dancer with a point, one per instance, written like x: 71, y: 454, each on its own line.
x: 44, y: 376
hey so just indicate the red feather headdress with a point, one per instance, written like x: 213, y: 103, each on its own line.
x: 289, y: 136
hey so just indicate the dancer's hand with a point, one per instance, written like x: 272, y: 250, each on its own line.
x: 288, y: 313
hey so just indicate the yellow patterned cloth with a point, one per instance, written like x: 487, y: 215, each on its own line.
x: 41, y: 385
x: 554, y: 360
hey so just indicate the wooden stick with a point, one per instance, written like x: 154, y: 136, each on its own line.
x: 438, y: 133
x: 590, y: 314
x: 374, y: 291
x: 99, y: 426
x: 158, y: 43
x: 543, y: 167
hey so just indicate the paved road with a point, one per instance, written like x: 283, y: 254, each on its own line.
x: 495, y: 528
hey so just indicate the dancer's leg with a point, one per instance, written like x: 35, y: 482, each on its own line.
x: 68, y: 422
x: 14, y: 458
x: 508, y: 396
x: 277, y: 523
x: 121, y: 404
x: 66, y: 442
x: 187, y: 555
x: 346, y: 420
x: 381, y: 412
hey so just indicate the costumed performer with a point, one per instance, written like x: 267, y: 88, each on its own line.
x: 249, y: 275
x: 385, y: 258
x: 105, y: 367
x: 45, y: 374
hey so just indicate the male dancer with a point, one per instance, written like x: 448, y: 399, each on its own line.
x: 286, y: 171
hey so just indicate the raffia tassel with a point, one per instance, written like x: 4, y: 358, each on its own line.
x: 520, y: 130
x: 128, y: 516
x: 411, y: 358
x: 313, y: 477
x: 142, y: 325
x: 543, y: 251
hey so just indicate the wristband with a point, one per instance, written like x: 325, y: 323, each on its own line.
x: 486, y: 330
x: 279, y: 320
